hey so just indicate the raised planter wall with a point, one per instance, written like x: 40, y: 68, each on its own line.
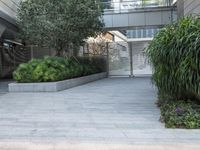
x: 54, y: 86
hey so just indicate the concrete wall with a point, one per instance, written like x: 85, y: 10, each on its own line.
x: 191, y: 7
x: 188, y: 7
x: 55, y: 86
x: 180, y: 8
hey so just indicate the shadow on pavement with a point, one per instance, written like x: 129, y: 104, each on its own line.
x: 4, y: 85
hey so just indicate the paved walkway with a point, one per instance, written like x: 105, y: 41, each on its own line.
x: 4, y: 85
x: 118, y: 113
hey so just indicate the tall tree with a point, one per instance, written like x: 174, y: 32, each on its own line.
x: 59, y: 23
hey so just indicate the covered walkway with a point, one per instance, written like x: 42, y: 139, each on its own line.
x: 116, y: 113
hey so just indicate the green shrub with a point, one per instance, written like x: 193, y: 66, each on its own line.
x: 180, y: 114
x: 174, y: 54
x: 54, y: 69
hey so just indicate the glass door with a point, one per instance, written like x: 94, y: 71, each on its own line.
x: 140, y: 64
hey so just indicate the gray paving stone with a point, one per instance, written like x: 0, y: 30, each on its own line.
x: 116, y: 110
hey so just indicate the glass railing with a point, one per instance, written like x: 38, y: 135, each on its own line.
x: 128, y: 5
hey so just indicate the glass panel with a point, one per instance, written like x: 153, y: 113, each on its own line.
x: 140, y: 62
x: 144, y: 33
x: 119, y: 59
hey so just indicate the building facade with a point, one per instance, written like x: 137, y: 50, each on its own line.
x: 12, y: 52
x: 8, y: 14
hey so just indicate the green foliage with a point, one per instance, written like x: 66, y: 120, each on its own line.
x: 54, y: 69
x: 180, y: 114
x: 59, y: 23
x: 174, y: 54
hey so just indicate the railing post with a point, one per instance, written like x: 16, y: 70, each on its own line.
x: 32, y: 56
x: 119, y: 7
x: 107, y: 49
x: 1, y: 61
x: 131, y: 58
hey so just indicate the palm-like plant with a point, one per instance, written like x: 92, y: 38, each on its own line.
x: 175, y: 56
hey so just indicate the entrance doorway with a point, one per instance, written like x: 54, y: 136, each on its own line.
x: 128, y: 59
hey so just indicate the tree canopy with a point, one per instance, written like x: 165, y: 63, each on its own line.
x: 59, y: 23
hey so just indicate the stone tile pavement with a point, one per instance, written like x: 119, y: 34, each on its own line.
x: 116, y: 113
x: 4, y: 85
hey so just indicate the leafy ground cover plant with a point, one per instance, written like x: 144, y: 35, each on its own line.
x: 180, y: 114
x: 54, y: 69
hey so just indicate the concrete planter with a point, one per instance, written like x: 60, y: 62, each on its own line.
x: 54, y: 86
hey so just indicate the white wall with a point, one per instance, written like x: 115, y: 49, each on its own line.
x: 188, y: 7
x: 191, y: 7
